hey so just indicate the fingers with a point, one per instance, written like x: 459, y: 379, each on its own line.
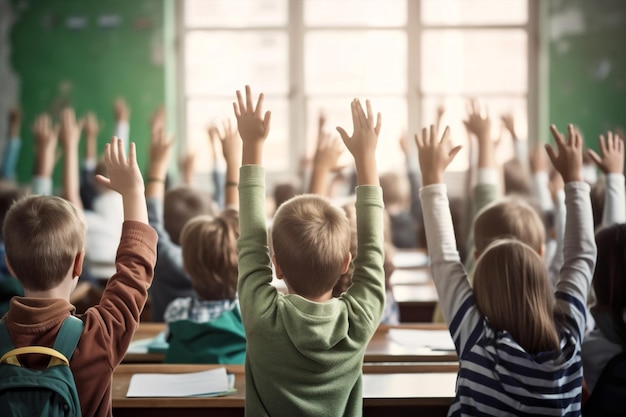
x: 236, y: 109
x: 249, y: 105
x: 603, y: 145
x: 356, y: 121
x: 266, y: 120
x: 370, y: 114
x: 132, y: 153
x: 419, y: 141
x: 594, y: 157
x: 344, y: 135
x: 378, y: 123
x: 425, y: 139
x: 433, y: 135
x: 551, y: 153
x: 103, y: 180
x: 558, y: 137
x: 240, y: 104
x: 258, y: 111
x: 453, y: 153
x: 446, y: 135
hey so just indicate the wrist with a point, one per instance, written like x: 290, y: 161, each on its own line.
x: 431, y: 179
x: 252, y: 155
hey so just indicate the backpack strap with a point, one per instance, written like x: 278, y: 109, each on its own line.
x: 68, y: 336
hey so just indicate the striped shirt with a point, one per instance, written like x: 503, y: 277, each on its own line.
x: 496, y: 375
x: 190, y: 308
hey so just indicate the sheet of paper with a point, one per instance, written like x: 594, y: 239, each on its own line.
x: 410, y: 259
x: 413, y: 339
x: 211, y: 382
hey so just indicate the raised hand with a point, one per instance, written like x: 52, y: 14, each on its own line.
x: 46, y: 139
x: 612, y: 151
x: 476, y: 123
x: 15, y: 122
x: 362, y: 144
x: 125, y: 178
x: 253, y: 125
x: 569, y: 160
x: 434, y: 155
x: 327, y: 153
x: 70, y: 129
x: 124, y: 174
x: 509, y: 124
x: 160, y: 153
x: 121, y: 110
x: 231, y: 144
x: 364, y: 138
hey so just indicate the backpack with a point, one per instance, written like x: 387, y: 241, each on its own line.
x: 49, y: 392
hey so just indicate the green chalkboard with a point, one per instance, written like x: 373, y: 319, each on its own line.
x: 86, y: 53
x: 587, y: 61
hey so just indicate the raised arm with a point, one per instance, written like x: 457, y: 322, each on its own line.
x: 368, y: 278
x: 231, y: 149
x: 88, y: 192
x: 12, y: 148
x: 327, y: 153
x: 255, y: 272
x: 69, y: 136
x: 579, y: 247
x: 611, y: 163
x: 46, y: 138
x: 449, y: 276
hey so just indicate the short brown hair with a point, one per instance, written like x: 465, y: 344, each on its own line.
x: 210, y: 257
x: 395, y: 189
x: 42, y: 236
x: 181, y: 204
x: 509, y: 217
x: 520, y: 300
x: 311, y: 240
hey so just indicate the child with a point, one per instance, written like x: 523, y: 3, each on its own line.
x: 305, y: 349
x: 169, y: 211
x: 518, y: 355
x: 207, y: 328
x: 609, y: 284
x: 44, y: 241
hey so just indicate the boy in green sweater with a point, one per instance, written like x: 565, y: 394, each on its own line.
x: 305, y: 349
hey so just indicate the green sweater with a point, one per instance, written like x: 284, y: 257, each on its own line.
x: 305, y: 358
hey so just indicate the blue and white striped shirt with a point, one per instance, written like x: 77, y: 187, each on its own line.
x: 496, y: 375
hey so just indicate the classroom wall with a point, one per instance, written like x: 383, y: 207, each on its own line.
x: 85, y: 53
x: 587, y: 65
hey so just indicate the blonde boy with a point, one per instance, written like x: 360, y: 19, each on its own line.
x: 44, y: 240
x: 305, y: 349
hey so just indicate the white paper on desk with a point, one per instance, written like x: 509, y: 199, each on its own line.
x: 414, y: 339
x: 410, y: 260
x: 209, y: 382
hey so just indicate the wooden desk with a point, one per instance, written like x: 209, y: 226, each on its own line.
x: 382, y: 347
x: 423, y: 389
x: 416, y: 302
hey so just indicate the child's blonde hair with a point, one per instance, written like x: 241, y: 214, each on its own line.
x: 42, y: 236
x: 311, y: 242
x: 210, y: 257
x: 509, y: 217
x: 512, y: 291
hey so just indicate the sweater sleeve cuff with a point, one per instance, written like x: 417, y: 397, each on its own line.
x: 141, y: 232
x: 487, y: 176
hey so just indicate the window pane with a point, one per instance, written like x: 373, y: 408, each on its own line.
x: 337, y: 110
x: 370, y: 62
x: 355, y: 12
x: 474, y: 61
x: 218, y: 63
x: 201, y: 113
x: 474, y: 12
x: 235, y: 14
x: 456, y: 112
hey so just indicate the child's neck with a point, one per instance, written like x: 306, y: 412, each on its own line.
x: 63, y: 291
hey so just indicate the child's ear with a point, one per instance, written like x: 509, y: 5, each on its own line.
x: 77, y: 269
x: 542, y: 251
x: 277, y: 268
x: 346, y: 265
x: 6, y: 261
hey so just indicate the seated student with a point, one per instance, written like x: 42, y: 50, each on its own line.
x: 169, y: 211
x: 518, y: 355
x: 391, y: 312
x: 207, y: 328
x: 44, y: 242
x: 305, y: 349
x: 609, y: 284
x: 404, y: 226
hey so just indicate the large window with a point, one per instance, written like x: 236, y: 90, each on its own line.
x: 407, y: 56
